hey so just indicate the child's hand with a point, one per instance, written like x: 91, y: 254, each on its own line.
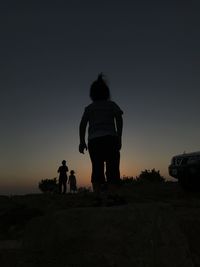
x: 82, y: 147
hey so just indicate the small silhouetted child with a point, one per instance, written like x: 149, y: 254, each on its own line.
x: 62, y: 170
x: 72, y: 182
x: 104, y: 118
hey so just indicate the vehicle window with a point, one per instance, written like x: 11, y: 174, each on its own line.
x: 184, y: 161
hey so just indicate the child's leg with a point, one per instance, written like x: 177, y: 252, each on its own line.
x: 96, y: 187
x: 112, y: 166
x: 97, y: 160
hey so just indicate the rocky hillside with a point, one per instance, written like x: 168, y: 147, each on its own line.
x: 158, y: 225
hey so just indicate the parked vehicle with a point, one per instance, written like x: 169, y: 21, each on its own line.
x: 186, y: 169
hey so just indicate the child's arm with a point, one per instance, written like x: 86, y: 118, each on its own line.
x: 82, y: 130
x: 119, y: 126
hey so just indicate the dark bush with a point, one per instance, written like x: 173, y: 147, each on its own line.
x: 84, y: 189
x: 151, y: 176
x: 146, y: 175
x: 48, y: 185
x: 128, y: 179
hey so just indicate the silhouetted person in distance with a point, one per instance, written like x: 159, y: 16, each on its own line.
x: 62, y: 170
x: 104, y: 135
x: 72, y: 182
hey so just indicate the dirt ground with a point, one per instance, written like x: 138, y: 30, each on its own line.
x: 159, y: 225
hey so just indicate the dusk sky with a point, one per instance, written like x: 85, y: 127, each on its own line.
x: 51, y: 52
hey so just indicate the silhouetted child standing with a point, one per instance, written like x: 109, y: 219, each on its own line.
x: 72, y: 182
x: 104, y: 135
x: 63, y: 177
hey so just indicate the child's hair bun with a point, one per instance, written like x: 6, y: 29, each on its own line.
x: 100, y: 77
x: 99, y: 89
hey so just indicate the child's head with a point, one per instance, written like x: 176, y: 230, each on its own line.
x: 72, y: 172
x: 99, y: 90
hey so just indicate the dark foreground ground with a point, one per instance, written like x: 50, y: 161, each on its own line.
x: 159, y: 226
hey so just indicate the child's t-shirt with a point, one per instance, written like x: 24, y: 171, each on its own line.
x: 101, y: 117
x: 72, y: 179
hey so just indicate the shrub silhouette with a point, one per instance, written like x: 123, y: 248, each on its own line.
x: 48, y: 185
x: 128, y: 179
x: 146, y: 175
x: 84, y: 189
x: 151, y: 176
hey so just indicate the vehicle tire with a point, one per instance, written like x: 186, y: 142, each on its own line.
x: 184, y: 183
x: 189, y: 183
